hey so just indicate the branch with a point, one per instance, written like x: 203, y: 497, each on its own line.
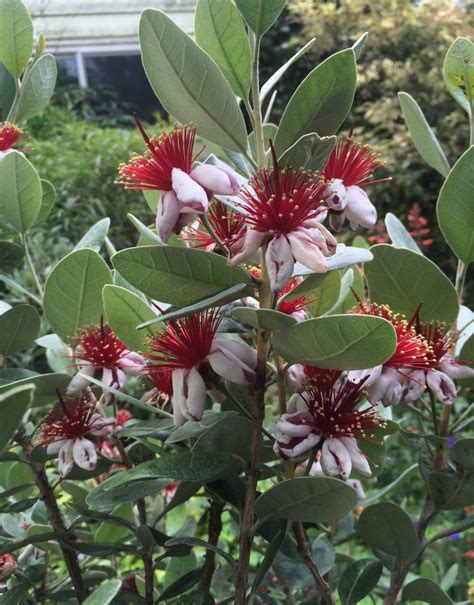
x: 214, y: 531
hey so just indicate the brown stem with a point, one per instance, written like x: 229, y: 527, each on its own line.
x: 147, y: 554
x: 303, y: 548
x: 54, y: 514
x: 253, y: 471
x: 214, y: 531
x: 281, y: 384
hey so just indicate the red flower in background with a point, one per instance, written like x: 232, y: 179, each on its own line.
x: 9, y: 135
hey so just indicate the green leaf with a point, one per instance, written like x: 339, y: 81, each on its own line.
x: 195, y: 428
x: 462, y: 453
x: 188, y: 83
x: 185, y: 466
x: 399, y: 235
x: 387, y: 527
x: 231, y: 434
x: 292, y: 572
x: 450, y: 577
x: 423, y: 589
x: 178, y: 276
x: 7, y: 89
x: 20, y: 192
x: 265, y: 319
x: 18, y: 329
x: 310, y: 499
x: 182, y: 584
x: 347, y: 342
x: 268, y: 559
x: 260, y: 15
x: 125, y: 311
x: 310, y: 152
x: 46, y: 385
x: 381, y: 493
x: 94, y: 238
x: 73, y: 292
x: 104, y: 594
x: 423, y: 137
x: 458, y: 72
x: 321, y: 102
x: 37, y: 89
x: 11, y: 255
x: 322, y: 299
x: 359, y: 44
x: 16, y: 35
x: 14, y: 595
x: 455, y: 209
x: 274, y: 79
x: 13, y: 405
x: 220, y: 32
x: 221, y: 298
x: 110, y: 532
x: 403, y: 279
x: 358, y: 580
x: 47, y: 201
x: 148, y: 236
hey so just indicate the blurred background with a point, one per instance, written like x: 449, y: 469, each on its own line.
x: 80, y: 140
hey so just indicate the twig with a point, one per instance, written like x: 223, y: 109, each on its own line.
x: 54, y: 514
x: 310, y: 564
x: 215, y: 527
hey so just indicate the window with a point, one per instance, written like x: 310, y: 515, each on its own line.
x: 67, y: 70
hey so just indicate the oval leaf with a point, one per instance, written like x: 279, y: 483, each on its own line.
x: 47, y: 201
x: 455, y: 208
x: 38, y: 88
x: 11, y: 255
x: 423, y: 589
x: 125, y: 311
x: 399, y: 235
x: 188, y: 83
x: 46, y: 385
x: 178, y: 276
x: 358, y: 580
x: 403, y: 279
x: 73, y: 292
x: 7, y: 89
x: 348, y: 342
x: 220, y: 32
x: 16, y: 35
x: 20, y: 192
x: 321, y: 102
x: 422, y: 136
x: 18, y: 329
x: 265, y: 319
x: 95, y: 236
x: 260, y: 15
x: 104, y: 594
x: 310, y: 152
x: 310, y: 499
x: 13, y: 405
x: 458, y: 72
x: 387, y: 527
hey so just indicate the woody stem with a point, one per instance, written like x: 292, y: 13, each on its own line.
x: 54, y: 514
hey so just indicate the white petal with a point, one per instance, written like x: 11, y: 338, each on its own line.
x: 252, y: 242
x: 302, y: 447
x: 307, y: 252
x: 413, y: 385
x: 178, y: 398
x: 296, y: 403
x: 132, y: 363
x: 191, y: 196
x: 196, y: 395
x: 359, y: 461
x: 212, y: 178
x: 79, y: 382
x: 455, y: 370
x: 359, y: 210
x: 167, y: 214
x: 441, y: 385
x: 337, y: 199
x: 54, y: 447
x: 335, y: 459
x: 66, y: 458
x: 85, y: 455
x: 295, y: 376
x: 280, y: 262
x: 379, y: 387
x: 230, y: 367
x: 372, y: 373
x: 113, y: 378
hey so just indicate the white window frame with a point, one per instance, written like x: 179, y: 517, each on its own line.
x: 99, y: 50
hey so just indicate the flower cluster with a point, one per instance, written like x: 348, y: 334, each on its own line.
x: 99, y: 350
x: 167, y: 167
x: 328, y: 415
x: 194, y: 355
x: 67, y: 431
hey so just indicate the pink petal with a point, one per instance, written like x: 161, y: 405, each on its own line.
x: 215, y: 180
x: 359, y: 210
x: 132, y: 363
x: 335, y: 459
x: 337, y: 199
x: 167, y: 215
x: 85, y: 455
x: 441, y: 385
x: 280, y: 262
x: 455, y: 370
x: 79, y: 383
x: 307, y: 252
x: 252, y: 242
x: 66, y: 458
x: 359, y: 461
x: 191, y: 196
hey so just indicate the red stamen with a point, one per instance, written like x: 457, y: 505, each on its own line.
x: 100, y: 347
x: 69, y: 419
x: 228, y: 225
x: 9, y: 135
x: 296, y: 304
x: 152, y: 170
x: 185, y: 343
